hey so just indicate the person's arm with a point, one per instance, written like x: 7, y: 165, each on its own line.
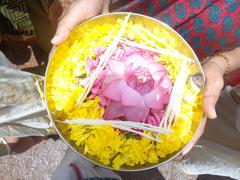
x: 79, y: 11
x: 215, y: 68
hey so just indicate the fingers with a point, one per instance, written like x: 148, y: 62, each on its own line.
x: 72, y: 17
x: 78, y: 12
x: 196, y: 137
x: 211, y: 95
x: 106, y: 7
x: 61, y: 35
x: 213, y: 87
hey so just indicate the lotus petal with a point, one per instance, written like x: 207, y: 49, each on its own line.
x: 154, y: 67
x: 128, y: 71
x: 154, y: 99
x: 117, y: 68
x: 165, y: 85
x: 158, y: 77
x: 137, y: 113
x: 130, y: 97
x: 113, y: 90
x: 136, y: 60
x: 114, y: 110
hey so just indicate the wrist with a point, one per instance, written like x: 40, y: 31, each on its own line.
x: 221, y: 65
x: 234, y: 57
x: 229, y: 61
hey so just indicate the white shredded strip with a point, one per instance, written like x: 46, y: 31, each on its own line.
x: 103, y: 61
x: 124, y: 125
x: 172, y: 52
x: 175, y: 101
x: 145, y: 47
x: 178, y: 101
x: 136, y: 125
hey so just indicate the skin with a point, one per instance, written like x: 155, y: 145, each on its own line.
x: 78, y: 12
x: 214, y: 69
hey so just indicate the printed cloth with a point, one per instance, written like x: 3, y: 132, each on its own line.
x: 16, y: 22
x: 209, y: 26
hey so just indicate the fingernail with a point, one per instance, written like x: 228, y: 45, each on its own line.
x: 214, y: 114
x: 55, y: 39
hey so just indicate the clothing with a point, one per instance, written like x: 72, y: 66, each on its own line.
x: 218, y: 153
x: 212, y: 158
x: 209, y: 26
x: 25, y: 22
x: 225, y: 126
x: 74, y: 167
x: 16, y: 22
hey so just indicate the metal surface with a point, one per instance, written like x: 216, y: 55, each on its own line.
x: 146, y: 21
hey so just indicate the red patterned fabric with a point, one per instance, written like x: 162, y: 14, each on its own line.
x: 209, y: 26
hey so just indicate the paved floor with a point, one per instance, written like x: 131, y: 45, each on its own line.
x: 38, y: 163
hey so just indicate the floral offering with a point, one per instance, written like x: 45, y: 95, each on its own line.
x: 122, y: 94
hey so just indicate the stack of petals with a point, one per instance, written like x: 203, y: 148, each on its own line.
x: 133, y: 87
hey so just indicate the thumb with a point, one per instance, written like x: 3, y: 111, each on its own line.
x: 65, y: 26
x: 213, y: 87
x: 76, y: 14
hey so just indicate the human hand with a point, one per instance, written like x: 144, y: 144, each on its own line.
x: 214, y: 70
x: 79, y: 11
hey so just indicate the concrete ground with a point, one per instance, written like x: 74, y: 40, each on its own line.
x: 38, y: 163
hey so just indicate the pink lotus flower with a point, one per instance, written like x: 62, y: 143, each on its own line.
x: 134, y: 86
